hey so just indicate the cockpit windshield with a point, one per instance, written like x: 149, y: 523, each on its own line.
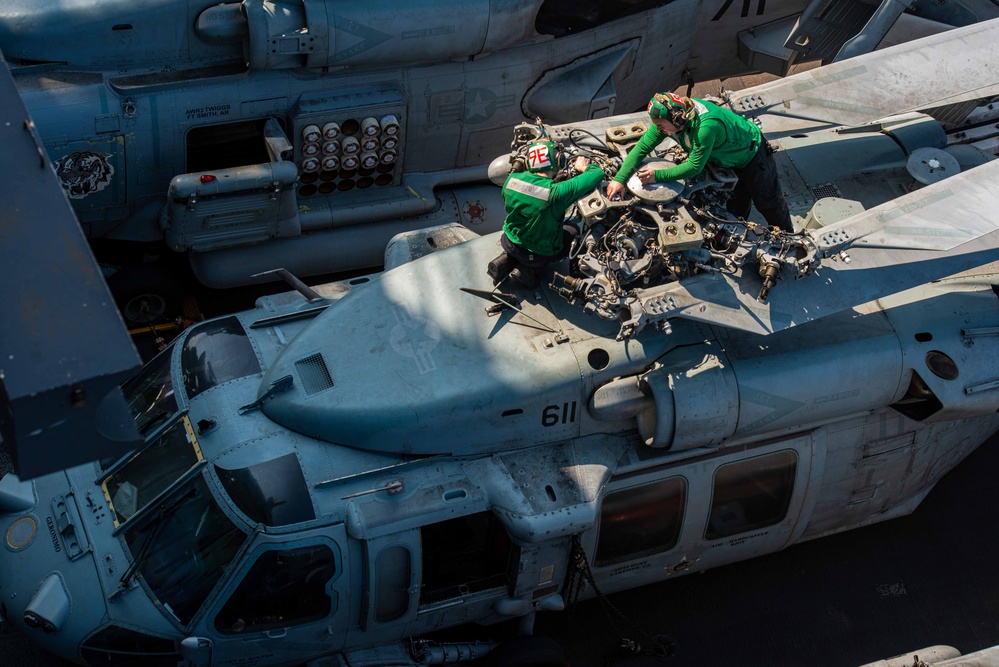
x: 150, y: 394
x: 216, y: 352
x: 183, y: 550
x: 150, y: 472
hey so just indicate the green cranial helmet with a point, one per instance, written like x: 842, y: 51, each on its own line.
x: 671, y: 107
x: 541, y: 156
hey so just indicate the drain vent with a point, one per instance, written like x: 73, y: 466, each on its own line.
x: 825, y: 190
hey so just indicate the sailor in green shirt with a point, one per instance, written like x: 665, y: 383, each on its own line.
x: 534, y: 234
x: 716, y: 136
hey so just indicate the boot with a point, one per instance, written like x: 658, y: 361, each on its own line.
x: 500, y: 267
x: 526, y: 276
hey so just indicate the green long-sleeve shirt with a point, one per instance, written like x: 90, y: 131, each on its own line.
x: 535, y: 206
x: 714, y: 136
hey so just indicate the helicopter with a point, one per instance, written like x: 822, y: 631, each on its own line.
x: 341, y: 470
x: 309, y: 132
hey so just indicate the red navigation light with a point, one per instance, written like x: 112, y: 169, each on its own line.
x: 207, y: 178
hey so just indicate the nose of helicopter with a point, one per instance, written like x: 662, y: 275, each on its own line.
x: 49, y: 585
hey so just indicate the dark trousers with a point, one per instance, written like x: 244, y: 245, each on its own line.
x: 758, y: 184
x: 533, y: 259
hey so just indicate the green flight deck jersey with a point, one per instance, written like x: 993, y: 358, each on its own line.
x: 535, y: 206
x: 713, y: 136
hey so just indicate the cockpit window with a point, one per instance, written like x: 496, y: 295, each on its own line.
x: 152, y: 470
x: 568, y: 17
x: 150, y: 394
x: 183, y: 550
x: 272, y: 493
x: 282, y: 588
x: 216, y: 352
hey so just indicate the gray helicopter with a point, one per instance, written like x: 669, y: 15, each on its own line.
x: 306, y: 133
x: 336, y: 473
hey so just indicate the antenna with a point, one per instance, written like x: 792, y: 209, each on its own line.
x: 311, y: 295
x: 505, y: 300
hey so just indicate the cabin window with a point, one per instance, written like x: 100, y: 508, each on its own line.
x: 256, y: 491
x: 640, y: 521
x: 225, y: 146
x: 393, y: 571
x: 283, y: 588
x: 216, y: 352
x: 465, y: 555
x: 752, y: 494
x: 569, y: 17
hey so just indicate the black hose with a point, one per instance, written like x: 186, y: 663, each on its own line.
x: 602, y: 148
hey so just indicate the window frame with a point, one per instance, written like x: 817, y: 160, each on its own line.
x: 790, y: 476
x: 253, y: 559
x: 678, y: 528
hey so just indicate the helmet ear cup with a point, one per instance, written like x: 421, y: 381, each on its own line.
x: 671, y: 107
x: 561, y: 159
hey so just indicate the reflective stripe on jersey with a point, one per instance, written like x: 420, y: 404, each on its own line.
x: 529, y: 189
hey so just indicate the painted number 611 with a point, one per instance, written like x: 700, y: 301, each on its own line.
x: 559, y: 414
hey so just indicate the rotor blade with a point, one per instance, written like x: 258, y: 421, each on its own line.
x: 934, y: 232
x: 950, y: 67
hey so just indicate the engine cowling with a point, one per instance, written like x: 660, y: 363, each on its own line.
x: 334, y: 33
